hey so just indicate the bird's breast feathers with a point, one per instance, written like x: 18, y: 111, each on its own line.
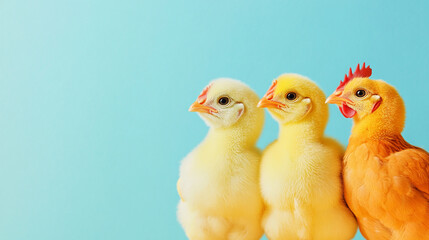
x: 214, y: 182
x: 287, y: 177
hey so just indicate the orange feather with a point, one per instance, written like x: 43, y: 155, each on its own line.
x: 386, y: 179
x: 387, y: 188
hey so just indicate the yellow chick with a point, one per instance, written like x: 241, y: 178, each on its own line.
x: 219, y: 179
x: 300, y: 171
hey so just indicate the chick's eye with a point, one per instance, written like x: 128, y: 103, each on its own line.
x: 291, y: 96
x: 360, y: 93
x: 223, y: 100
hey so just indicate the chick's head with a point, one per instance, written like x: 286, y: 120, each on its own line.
x: 226, y: 103
x: 294, y: 98
x: 362, y: 98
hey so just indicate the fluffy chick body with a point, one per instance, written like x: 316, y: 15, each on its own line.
x: 300, y: 172
x: 220, y: 196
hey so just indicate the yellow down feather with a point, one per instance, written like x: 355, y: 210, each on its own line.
x: 300, y: 171
x: 218, y: 185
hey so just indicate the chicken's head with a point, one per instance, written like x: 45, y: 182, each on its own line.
x: 224, y: 102
x: 292, y: 98
x: 360, y: 97
x: 357, y: 94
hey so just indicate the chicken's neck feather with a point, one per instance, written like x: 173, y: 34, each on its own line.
x: 308, y: 131
x: 235, y: 137
x: 387, y: 121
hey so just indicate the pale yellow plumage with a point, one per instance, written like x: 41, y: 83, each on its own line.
x: 218, y: 185
x: 300, y: 171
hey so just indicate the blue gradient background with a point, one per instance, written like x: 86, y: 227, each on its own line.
x: 94, y: 96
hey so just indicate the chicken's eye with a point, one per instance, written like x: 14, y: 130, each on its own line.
x: 223, y: 100
x: 360, y: 93
x: 291, y: 96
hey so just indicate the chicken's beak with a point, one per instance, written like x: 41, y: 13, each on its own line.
x: 198, y: 107
x: 266, y: 103
x: 342, y: 102
x: 336, y: 98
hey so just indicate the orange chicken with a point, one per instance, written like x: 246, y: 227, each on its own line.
x: 386, y: 179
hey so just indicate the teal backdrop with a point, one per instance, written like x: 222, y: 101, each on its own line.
x: 94, y: 96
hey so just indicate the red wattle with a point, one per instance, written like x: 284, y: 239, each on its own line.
x: 347, y: 111
x: 377, y: 104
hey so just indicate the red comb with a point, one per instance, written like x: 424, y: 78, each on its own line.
x: 203, y: 95
x: 363, y: 72
x: 270, y: 93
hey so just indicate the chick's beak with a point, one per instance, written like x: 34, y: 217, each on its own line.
x: 336, y: 98
x: 267, y: 103
x: 198, y: 107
